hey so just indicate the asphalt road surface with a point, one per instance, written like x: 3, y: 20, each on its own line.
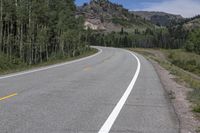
x: 112, y: 91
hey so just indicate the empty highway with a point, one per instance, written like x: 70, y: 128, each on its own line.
x: 112, y: 91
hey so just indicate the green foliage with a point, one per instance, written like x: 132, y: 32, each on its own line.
x: 35, y: 30
x: 150, y: 38
x: 7, y: 63
x: 194, y: 97
x: 183, y: 76
x: 189, y: 46
x: 193, y: 42
x: 122, y: 22
x: 187, y: 61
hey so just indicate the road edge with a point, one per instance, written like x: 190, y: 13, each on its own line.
x: 50, y: 66
x: 185, y: 125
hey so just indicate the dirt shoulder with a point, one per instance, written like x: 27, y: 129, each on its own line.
x: 178, y: 95
x: 177, y: 91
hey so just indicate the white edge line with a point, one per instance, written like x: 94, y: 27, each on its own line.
x: 50, y: 67
x: 113, y: 116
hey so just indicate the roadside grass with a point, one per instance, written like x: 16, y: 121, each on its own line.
x: 8, y: 64
x: 198, y: 130
x: 185, y: 60
x: 184, y: 65
x: 12, y: 65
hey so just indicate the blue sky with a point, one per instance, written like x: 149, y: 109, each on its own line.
x: 186, y: 8
x: 130, y: 4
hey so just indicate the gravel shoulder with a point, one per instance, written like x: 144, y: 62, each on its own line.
x: 178, y: 96
x: 177, y: 92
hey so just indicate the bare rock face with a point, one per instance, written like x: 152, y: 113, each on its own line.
x: 94, y: 24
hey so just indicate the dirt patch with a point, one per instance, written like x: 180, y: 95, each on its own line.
x: 178, y: 94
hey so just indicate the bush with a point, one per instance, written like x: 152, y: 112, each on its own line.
x: 189, y: 46
x: 9, y: 63
x: 193, y: 43
x: 185, y: 60
x: 197, y: 109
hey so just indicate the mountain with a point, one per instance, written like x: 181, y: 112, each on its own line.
x: 108, y: 16
x: 192, y: 23
x: 159, y: 18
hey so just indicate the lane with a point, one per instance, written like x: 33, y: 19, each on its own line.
x: 67, y: 98
x: 148, y: 108
x: 113, y: 116
x: 80, y: 96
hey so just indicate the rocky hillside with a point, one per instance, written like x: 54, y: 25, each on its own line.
x: 159, y: 18
x: 108, y: 16
x: 192, y: 23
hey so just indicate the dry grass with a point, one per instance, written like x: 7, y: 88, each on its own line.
x: 178, y: 63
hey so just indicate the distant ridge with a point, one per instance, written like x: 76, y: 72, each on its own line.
x: 158, y: 18
x: 192, y: 23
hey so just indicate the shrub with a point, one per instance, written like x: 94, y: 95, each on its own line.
x: 185, y: 60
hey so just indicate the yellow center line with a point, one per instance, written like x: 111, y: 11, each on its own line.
x: 87, y: 68
x: 9, y: 96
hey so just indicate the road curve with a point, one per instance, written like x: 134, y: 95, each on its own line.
x: 81, y: 96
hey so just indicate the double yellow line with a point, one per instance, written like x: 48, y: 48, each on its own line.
x: 9, y: 96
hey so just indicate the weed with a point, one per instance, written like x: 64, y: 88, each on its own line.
x: 184, y: 65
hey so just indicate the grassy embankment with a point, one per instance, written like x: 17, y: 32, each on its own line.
x: 186, y: 66
x: 8, y: 65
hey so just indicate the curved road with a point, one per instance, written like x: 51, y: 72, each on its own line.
x: 113, y: 91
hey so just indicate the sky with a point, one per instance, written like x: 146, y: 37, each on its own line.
x: 186, y: 8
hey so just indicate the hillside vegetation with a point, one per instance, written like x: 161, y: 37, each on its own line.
x: 193, y: 41
x: 159, y: 18
x: 175, y: 36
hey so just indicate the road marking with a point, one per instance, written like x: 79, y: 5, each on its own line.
x: 9, y: 96
x: 113, y: 116
x: 87, y: 68
x: 50, y: 67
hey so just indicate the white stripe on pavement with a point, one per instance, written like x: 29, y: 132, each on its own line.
x: 113, y: 116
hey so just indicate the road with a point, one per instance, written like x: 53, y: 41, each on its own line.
x: 113, y: 91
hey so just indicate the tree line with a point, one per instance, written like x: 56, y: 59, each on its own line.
x: 193, y: 42
x: 149, y: 38
x: 175, y: 36
x: 36, y: 30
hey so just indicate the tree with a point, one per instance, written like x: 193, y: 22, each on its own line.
x: 35, y: 30
x: 193, y: 42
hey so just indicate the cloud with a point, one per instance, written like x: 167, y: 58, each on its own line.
x: 186, y: 8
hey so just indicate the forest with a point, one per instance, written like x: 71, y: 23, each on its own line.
x: 175, y: 36
x: 33, y: 31
x: 36, y: 31
x: 156, y: 38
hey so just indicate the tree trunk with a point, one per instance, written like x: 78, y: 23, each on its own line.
x: 21, y: 41
x: 41, y: 54
x: 1, y: 26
